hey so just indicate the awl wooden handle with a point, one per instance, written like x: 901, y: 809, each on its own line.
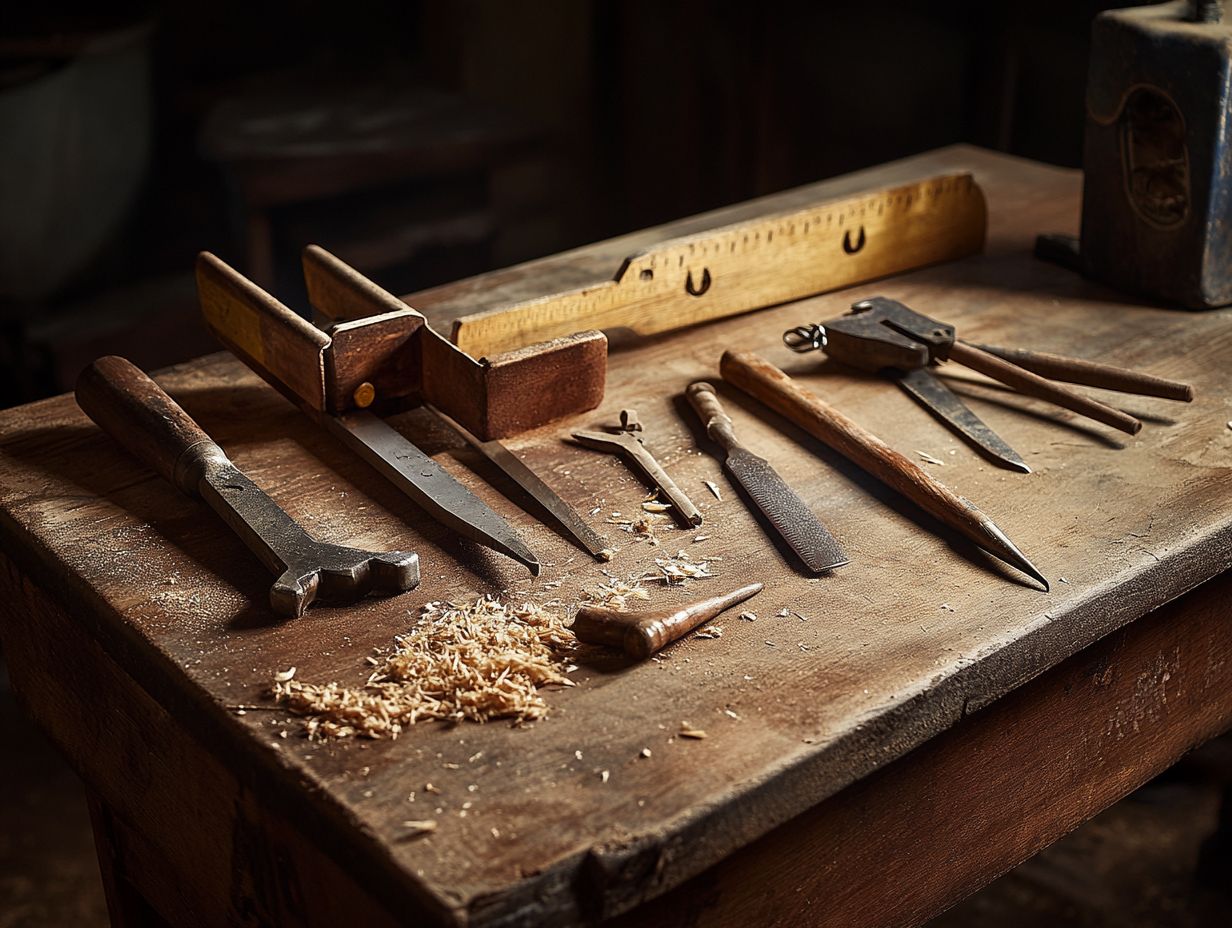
x: 134, y: 410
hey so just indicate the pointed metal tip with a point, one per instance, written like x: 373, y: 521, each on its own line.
x: 1020, y: 466
x: 1008, y: 552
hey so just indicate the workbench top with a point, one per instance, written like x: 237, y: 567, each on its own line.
x: 920, y: 629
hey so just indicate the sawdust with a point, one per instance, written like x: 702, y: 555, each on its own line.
x: 472, y: 661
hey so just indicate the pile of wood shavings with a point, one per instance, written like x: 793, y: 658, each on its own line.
x: 461, y: 661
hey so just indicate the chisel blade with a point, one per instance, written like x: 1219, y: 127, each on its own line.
x: 561, y: 512
x: 428, y: 484
x: 793, y: 520
x: 940, y: 400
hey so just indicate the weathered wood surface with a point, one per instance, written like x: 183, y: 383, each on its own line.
x: 917, y: 632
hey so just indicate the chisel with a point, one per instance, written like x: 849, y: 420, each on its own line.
x: 793, y: 520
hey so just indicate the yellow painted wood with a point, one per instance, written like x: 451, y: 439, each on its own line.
x: 748, y: 265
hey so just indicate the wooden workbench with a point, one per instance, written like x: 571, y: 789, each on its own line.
x: 923, y: 721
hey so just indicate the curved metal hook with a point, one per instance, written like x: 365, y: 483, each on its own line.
x: 805, y: 338
x: 705, y: 285
x: 860, y: 239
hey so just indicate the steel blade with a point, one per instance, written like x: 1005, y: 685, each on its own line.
x: 793, y: 520
x: 428, y: 484
x: 513, y: 468
x: 940, y: 400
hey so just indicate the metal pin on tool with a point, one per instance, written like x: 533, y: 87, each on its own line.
x: 632, y: 450
x: 135, y: 411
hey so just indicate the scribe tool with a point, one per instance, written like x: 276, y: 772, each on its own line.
x: 136, y: 412
x: 763, y: 381
x: 791, y: 518
x: 630, y: 447
x: 881, y: 334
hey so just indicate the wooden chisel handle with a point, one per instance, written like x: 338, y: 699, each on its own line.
x: 705, y: 403
x: 1092, y: 373
x: 134, y: 410
x: 765, y: 382
x: 1031, y: 384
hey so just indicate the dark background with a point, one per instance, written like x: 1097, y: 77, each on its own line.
x: 423, y: 142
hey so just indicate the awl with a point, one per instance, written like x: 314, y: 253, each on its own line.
x: 791, y: 518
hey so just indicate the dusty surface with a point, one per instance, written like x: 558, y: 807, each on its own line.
x: 864, y: 665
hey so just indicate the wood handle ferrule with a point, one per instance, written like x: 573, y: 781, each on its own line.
x: 134, y: 410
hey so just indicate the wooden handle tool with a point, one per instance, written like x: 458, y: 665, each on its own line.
x: 1092, y: 373
x: 791, y: 518
x: 641, y: 634
x: 1024, y: 381
x: 763, y: 381
x: 134, y: 410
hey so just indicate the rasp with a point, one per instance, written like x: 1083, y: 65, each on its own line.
x: 793, y: 520
x: 561, y: 512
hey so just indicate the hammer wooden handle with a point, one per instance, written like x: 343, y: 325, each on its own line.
x: 1031, y: 384
x: 1092, y: 373
x: 134, y: 410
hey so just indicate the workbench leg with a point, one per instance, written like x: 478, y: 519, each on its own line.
x: 126, y: 906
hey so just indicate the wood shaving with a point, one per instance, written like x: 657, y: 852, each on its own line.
x: 929, y: 459
x: 713, y: 488
x: 695, y: 733
x: 420, y: 827
x: 461, y: 661
x: 615, y: 593
x: 645, y: 752
x: 655, y: 506
x: 748, y: 616
x: 679, y: 568
x: 284, y: 676
x: 710, y: 631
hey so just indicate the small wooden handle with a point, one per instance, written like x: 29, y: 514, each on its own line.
x: 134, y: 410
x: 705, y: 403
x: 1024, y: 381
x: 1092, y: 373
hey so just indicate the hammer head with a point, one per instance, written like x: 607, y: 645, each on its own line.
x: 880, y: 333
x: 339, y: 574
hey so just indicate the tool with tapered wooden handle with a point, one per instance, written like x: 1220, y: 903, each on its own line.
x: 641, y: 634
x: 135, y: 411
x: 742, y: 266
x: 791, y: 518
x: 763, y: 381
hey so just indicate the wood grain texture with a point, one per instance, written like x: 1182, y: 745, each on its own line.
x: 761, y: 261
x: 956, y: 813
x: 886, y: 657
x: 271, y: 339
